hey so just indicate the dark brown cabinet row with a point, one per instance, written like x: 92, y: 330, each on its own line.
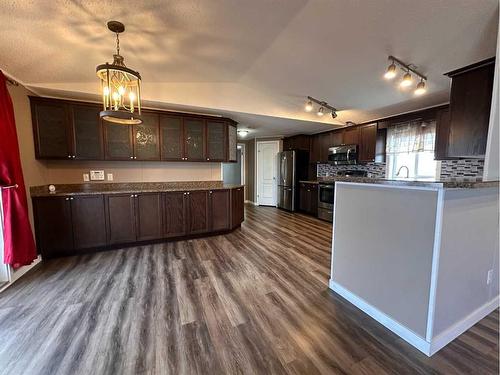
x: 68, y: 225
x: 308, y: 194
x: 365, y: 136
x: 73, y: 130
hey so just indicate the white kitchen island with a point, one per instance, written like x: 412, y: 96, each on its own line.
x: 420, y: 258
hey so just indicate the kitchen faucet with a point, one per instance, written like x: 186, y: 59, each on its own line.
x: 407, y: 171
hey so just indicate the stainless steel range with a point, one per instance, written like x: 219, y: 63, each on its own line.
x: 326, y: 194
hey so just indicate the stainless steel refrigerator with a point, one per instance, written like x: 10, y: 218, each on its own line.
x: 292, y: 167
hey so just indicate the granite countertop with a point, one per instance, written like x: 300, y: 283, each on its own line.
x: 126, y: 188
x: 447, y: 184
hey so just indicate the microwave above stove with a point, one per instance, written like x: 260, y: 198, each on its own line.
x: 343, y: 155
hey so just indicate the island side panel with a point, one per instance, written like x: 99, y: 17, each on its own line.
x: 469, y: 249
x: 383, y: 246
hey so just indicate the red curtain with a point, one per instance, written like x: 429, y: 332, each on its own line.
x: 19, y: 246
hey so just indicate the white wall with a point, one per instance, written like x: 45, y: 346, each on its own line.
x: 492, y: 159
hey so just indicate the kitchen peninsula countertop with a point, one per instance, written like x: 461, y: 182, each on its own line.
x: 128, y: 187
x: 447, y: 184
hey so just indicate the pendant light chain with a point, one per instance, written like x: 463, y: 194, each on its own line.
x: 117, y: 44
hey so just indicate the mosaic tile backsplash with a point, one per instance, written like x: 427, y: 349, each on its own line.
x: 375, y: 170
x: 465, y: 168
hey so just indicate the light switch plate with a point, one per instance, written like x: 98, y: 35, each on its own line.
x: 96, y: 175
x: 110, y: 176
x: 86, y: 177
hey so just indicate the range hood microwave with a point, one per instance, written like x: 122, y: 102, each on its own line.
x: 343, y: 155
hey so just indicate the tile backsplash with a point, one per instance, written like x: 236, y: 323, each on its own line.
x: 375, y: 170
x: 462, y: 169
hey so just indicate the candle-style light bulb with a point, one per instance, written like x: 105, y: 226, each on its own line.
x: 131, y: 96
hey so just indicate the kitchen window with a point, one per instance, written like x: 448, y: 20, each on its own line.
x: 411, y: 145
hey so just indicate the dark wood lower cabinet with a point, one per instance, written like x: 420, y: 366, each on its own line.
x: 89, y: 221
x: 174, y: 209
x: 308, y: 198
x: 219, y: 202
x: 121, y: 218
x: 68, y: 225
x: 197, y: 215
x: 237, y: 207
x: 53, y: 226
x: 148, y: 213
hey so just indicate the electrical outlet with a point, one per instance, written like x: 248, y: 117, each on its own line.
x: 489, y: 277
x: 96, y: 175
x: 86, y: 177
x: 110, y: 176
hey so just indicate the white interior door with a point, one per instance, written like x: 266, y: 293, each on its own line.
x: 267, y: 153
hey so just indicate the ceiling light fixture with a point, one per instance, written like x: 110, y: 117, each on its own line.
x: 322, y: 107
x: 407, y: 80
x: 242, y: 133
x: 121, y: 86
x: 420, y: 88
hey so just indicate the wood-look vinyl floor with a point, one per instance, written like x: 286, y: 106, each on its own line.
x: 254, y: 301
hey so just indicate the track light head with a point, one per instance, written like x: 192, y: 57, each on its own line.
x: 309, y: 106
x: 391, y: 71
x: 407, y: 80
x: 321, y: 111
x: 421, y: 89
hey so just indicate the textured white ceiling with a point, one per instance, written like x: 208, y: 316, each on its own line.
x: 253, y: 60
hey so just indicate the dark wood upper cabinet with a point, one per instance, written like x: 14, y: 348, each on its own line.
x: 149, y: 212
x: 194, y: 139
x: 216, y: 140
x: 121, y: 218
x: 314, y: 153
x: 351, y: 136
x: 442, y: 134
x: 171, y: 138
x: 380, y: 145
x: 367, y: 142
x: 88, y: 221
x: 118, y: 143
x: 71, y: 130
x: 147, y: 137
x: 219, y: 202
x: 325, y: 142
x: 197, y: 208
x: 470, y: 104
x: 54, y: 231
x: 174, y: 214
x: 51, y: 129
x: 297, y: 142
x: 337, y: 137
x: 232, y: 143
x: 87, y: 132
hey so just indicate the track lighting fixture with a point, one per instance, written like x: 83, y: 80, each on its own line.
x: 407, y: 79
x: 420, y: 88
x: 324, y: 107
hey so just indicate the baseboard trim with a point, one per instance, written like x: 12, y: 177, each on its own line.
x: 463, y: 325
x: 251, y: 202
x: 16, y: 275
x: 406, y: 334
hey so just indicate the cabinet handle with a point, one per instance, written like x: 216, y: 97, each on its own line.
x: 210, y: 191
x: 69, y: 156
x: 131, y: 157
x: 67, y: 199
x: 131, y: 195
x: 135, y: 157
x: 187, y: 193
x: 74, y: 156
x: 71, y: 198
x: 208, y: 158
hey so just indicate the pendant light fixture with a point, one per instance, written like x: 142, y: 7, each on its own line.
x: 120, y: 85
x: 407, y: 79
x: 323, y: 106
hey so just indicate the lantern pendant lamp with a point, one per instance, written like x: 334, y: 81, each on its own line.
x: 121, y: 87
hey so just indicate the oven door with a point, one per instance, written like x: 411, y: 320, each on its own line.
x: 326, y: 195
